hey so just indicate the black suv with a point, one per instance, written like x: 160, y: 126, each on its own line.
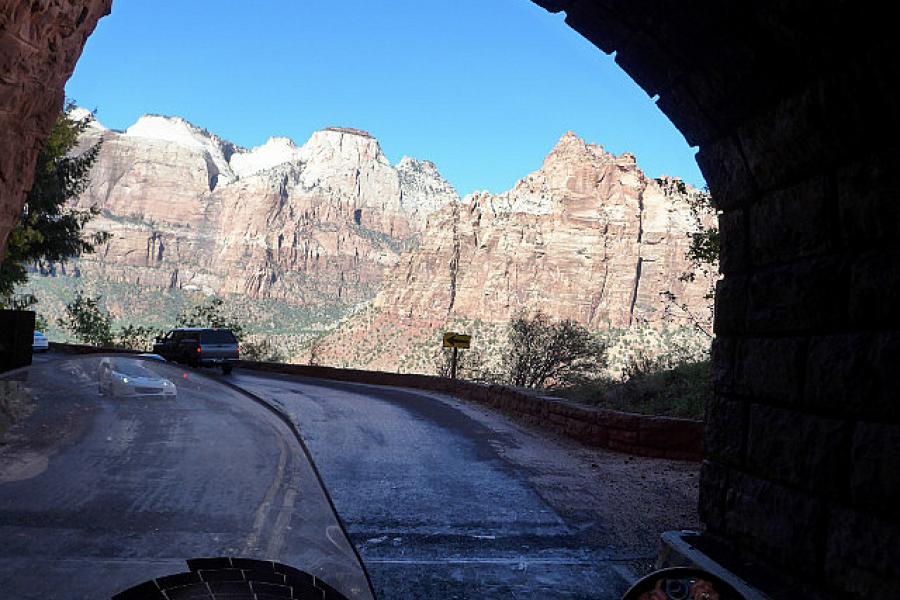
x: 199, y: 347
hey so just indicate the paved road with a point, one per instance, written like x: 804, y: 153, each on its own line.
x: 448, y: 501
x: 100, y: 493
x: 443, y: 499
x: 42, y: 358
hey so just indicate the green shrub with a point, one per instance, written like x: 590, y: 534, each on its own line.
x: 210, y: 314
x: 87, y: 320
x: 540, y: 352
x: 678, y: 391
x: 136, y: 337
x: 261, y: 351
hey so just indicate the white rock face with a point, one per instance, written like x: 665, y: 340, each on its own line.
x: 422, y: 189
x: 170, y: 129
x: 335, y: 156
x: 276, y: 151
x: 177, y: 131
x: 313, y: 224
x: 80, y: 114
x: 350, y: 163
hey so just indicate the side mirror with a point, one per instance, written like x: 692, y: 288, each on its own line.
x: 682, y: 583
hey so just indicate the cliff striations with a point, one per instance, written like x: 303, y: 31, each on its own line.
x: 587, y: 237
x: 302, y: 225
x: 332, y: 228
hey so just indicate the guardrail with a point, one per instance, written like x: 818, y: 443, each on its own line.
x: 642, y: 435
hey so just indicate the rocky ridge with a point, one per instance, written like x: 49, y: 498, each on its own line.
x: 308, y: 224
x: 332, y: 223
x: 587, y: 237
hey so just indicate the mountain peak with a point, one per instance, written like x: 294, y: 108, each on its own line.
x: 350, y: 131
x: 170, y: 129
x: 343, y: 144
x: 279, y: 141
x: 276, y: 151
x: 570, y: 139
x: 570, y: 144
x: 408, y: 163
x: 80, y: 114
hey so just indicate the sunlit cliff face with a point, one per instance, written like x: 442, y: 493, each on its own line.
x: 302, y: 224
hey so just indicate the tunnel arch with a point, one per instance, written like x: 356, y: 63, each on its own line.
x: 795, y: 113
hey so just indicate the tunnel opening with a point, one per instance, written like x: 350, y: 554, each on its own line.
x: 802, y: 431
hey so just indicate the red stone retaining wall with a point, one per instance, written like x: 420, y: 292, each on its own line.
x: 642, y: 435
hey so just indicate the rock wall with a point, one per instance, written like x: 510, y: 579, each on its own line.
x: 305, y: 225
x: 587, y: 237
x: 39, y: 44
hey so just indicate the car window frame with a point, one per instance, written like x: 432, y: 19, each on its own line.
x: 233, y: 339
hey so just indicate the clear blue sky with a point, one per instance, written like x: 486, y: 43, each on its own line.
x: 484, y: 88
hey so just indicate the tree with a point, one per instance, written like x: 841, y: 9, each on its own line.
x: 49, y: 230
x: 315, y: 349
x: 136, y: 337
x: 86, y: 319
x: 210, y: 314
x: 262, y: 351
x: 89, y: 322
x: 702, y: 255
x: 542, y: 352
x: 41, y: 323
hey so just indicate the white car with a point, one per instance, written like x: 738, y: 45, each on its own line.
x: 40, y: 343
x: 126, y: 377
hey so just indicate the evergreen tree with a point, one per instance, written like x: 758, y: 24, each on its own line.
x: 49, y: 229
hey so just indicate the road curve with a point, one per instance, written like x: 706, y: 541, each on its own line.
x: 99, y: 493
x: 443, y: 498
x: 446, y: 501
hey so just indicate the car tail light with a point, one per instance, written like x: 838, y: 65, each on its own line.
x: 199, y: 349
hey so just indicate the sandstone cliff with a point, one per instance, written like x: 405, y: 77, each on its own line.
x: 39, y: 45
x: 587, y: 237
x: 309, y: 224
x: 331, y: 226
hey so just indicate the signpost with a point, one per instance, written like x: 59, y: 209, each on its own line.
x: 457, y: 341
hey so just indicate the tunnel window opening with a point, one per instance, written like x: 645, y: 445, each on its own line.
x: 536, y: 156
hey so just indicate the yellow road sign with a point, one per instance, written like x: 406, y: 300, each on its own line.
x: 457, y: 340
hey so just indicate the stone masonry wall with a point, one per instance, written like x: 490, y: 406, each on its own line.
x: 641, y: 435
x: 40, y: 41
x: 795, y: 109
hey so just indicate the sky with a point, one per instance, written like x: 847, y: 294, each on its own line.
x: 483, y: 88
